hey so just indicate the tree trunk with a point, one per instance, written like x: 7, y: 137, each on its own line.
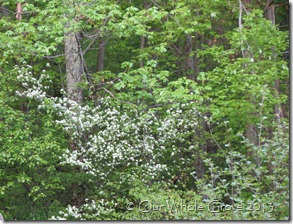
x: 192, y: 68
x: 19, y: 11
x: 101, y: 56
x: 270, y: 15
x: 100, y: 67
x: 143, y: 38
x: 189, y: 64
x: 250, y: 133
x: 74, y: 70
x: 73, y: 66
x: 142, y: 45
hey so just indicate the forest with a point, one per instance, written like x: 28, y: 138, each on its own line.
x: 144, y: 110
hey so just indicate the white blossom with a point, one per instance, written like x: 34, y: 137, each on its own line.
x: 107, y: 137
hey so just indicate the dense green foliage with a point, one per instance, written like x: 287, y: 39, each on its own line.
x: 185, y: 110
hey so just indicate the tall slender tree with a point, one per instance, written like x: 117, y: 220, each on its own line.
x: 74, y: 66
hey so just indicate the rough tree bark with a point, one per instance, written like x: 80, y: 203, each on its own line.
x: 73, y: 66
x: 74, y: 70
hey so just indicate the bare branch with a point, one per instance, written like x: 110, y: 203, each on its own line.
x: 46, y: 56
x: 109, y: 92
x: 96, y: 36
x: 15, y: 13
x: 240, y: 16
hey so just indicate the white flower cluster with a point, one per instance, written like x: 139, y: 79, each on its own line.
x: 89, y: 210
x: 34, y: 87
x: 71, y: 212
x: 107, y: 138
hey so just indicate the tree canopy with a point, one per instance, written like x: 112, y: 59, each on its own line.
x: 144, y: 110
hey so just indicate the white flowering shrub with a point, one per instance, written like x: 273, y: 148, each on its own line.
x: 119, y: 151
x: 116, y: 143
x: 91, y: 210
